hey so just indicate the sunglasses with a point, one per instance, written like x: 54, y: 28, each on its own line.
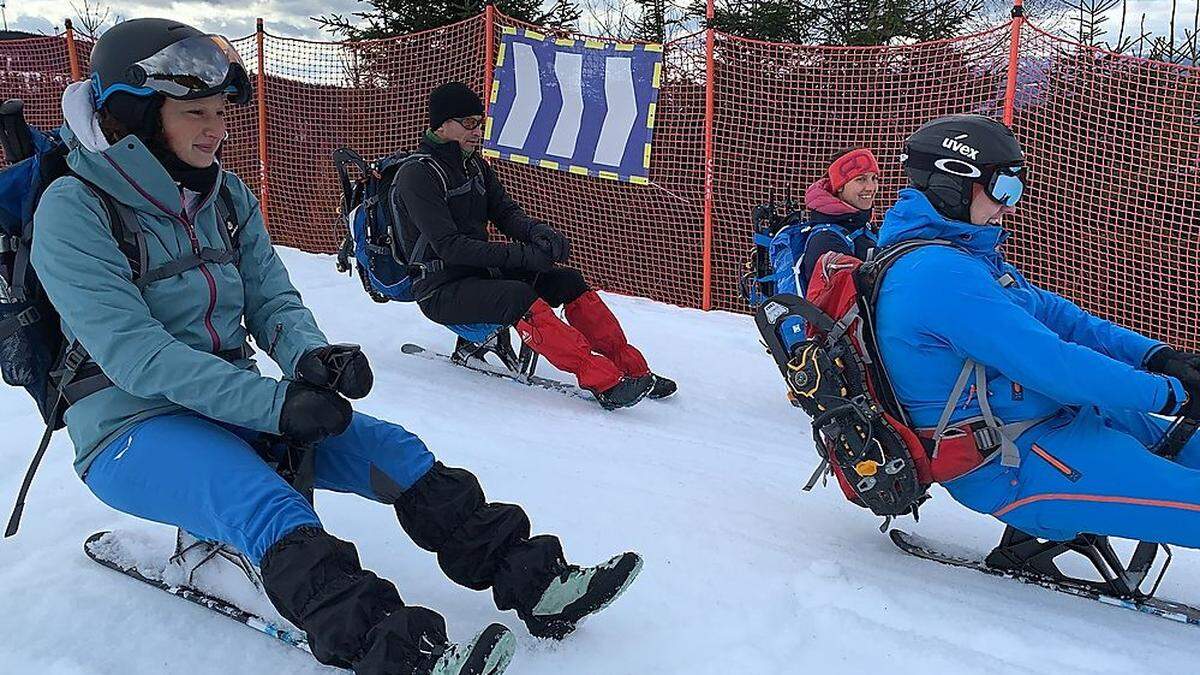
x: 468, y: 123
x: 1006, y: 185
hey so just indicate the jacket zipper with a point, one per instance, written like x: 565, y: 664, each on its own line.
x: 212, y: 282
x: 187, y: 224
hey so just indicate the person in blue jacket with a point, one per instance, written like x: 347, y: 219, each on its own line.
x: 1043, y: 415
x: 177, y: 425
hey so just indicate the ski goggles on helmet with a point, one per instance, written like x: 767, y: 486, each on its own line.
x: 1006, y: 185
x: 195, y: 67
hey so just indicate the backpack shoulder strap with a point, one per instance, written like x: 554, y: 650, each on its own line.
x: 417, y: 255
x: 883, y: 259
x: 432, y: 163
x: 231, y: 226
x: 126, y: 229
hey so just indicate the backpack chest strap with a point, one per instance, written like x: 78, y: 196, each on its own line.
x: 12, y: 324
x: 176, y: 267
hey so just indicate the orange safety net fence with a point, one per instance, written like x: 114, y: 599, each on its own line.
x: 36, y: 70
x: 1111, y: 219
x: 782, y: 110
x: 369, y: 96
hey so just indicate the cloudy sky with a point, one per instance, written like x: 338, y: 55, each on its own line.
x: 234, y: 19
x: 292, y: 17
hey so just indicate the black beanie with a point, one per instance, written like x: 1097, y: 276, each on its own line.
x: 453, y: 99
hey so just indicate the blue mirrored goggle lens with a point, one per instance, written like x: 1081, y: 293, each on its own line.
x: 1006, y: 188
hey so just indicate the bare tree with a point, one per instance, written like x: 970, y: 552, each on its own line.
x: 1088, y: 21
x: 93, y: 18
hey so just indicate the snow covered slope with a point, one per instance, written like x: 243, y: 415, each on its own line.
x: 744, y: 574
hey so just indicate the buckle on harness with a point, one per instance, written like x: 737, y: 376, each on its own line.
x: 419, y: 271
x: 987, y: 439
x: 73, y: 359
x: 29, y: 317
x: 9, y: 243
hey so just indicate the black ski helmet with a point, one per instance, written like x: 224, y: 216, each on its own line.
x: 145, y: 57
x: 946, y: 156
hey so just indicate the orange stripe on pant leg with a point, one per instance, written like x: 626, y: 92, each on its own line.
x: 1135, y: 501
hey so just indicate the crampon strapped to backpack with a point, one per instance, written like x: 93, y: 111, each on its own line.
x: 834, y: 373
x: 775, y: 229
x: 372, y: 237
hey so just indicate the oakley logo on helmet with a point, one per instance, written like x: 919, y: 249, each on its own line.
x: 955, y: 145
x: 958, y: 168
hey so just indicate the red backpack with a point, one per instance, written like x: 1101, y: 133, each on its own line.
x: 862, y: 434
x: 835, y: 374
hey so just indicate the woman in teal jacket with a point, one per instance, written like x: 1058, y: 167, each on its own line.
x: 181, y: 427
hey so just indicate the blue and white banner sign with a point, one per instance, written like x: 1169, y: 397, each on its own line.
x: 583, y: 106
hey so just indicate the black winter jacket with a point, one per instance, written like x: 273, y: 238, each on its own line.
x: 449, y: 223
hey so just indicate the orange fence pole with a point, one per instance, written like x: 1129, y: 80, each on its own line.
x: 1014, y: 55
x: 72, y: 53
x: 263, y: 174
x: 709, y: 87
x: 489, y: 53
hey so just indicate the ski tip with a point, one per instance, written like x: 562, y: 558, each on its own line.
x: 91, y: 541
x: 410, y: 348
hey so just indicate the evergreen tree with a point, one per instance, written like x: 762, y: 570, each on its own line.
x: 844, y: 22
x: 389, y: 18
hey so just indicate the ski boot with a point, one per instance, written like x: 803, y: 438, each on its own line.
x: 578, y: 592
x: 663, y: 387
x: 626, y: 392
x: 489, y: 653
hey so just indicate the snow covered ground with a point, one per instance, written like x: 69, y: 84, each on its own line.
x: 744, y: 573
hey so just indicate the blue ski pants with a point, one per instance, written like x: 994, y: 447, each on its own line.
x: 1091, y: 471
x: 207, y: 478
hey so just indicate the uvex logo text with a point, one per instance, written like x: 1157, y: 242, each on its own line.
x: 955, y: 145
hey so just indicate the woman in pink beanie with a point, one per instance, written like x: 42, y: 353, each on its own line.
x: 839, y: 206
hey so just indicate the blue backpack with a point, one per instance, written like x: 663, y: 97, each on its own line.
x: 780, y: 240
x: 30, y: 338
x: 372, y: 236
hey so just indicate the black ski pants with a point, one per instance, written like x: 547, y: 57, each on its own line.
x: 504, y: 300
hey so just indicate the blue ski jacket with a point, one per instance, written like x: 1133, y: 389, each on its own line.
x: 939, y: 306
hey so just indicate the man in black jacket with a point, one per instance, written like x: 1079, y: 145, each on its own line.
x: 443, y: 203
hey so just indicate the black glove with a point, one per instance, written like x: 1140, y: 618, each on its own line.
x: 534, y: 259
x: 550, y: 240
x: 312, y: 414
x: 342, y: 367
x: 1184, y: 367
x: 1181, y: 365
x: 1191, y: 405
